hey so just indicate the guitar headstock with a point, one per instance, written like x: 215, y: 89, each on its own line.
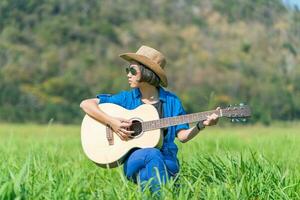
x: 237, y: 113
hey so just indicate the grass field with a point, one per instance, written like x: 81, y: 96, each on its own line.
x: 240, y: 162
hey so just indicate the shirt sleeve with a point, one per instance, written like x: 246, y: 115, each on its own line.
x: 119, y: 98
x: 179, y: 110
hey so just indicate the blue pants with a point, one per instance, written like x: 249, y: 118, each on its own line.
x: 149, y: 163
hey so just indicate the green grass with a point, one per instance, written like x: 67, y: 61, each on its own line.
x: 240, y: 162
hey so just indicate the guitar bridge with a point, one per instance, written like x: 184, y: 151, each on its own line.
x: 109, y: 135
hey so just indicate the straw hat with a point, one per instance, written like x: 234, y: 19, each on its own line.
x: 152, y: 59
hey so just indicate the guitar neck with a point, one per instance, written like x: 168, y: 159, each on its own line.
x: 182, y: 119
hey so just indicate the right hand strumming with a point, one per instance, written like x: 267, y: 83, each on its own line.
x: 121, y: 127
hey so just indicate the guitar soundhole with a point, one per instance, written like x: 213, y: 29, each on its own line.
x: 136, y: 127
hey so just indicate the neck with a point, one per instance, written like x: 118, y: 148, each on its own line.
x: 149, y: 92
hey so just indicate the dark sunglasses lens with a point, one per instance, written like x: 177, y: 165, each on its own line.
x: 132, y: 71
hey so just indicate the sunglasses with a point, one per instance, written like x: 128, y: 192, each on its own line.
x: 131, y: 70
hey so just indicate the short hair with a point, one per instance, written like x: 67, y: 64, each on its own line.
x: 147, y: 75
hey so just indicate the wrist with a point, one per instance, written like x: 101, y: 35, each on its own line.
x: 200, y: 125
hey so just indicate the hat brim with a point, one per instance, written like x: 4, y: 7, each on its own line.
x: 148, y: 63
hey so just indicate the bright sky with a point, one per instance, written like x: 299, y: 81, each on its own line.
x: 292, y: 4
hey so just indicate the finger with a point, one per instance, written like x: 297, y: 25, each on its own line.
x: 126, y: 121
x: 218, y: 108
x: 206, y: 122
x: 209, y: 121
x: 127, y: 132
x: 125, y: 125
x: 208, y: 118
x: 215, y: 117
x: 122, y: 135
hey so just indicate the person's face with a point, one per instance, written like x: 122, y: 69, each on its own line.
x: 133, y: 74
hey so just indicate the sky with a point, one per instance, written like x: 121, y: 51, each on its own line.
x: 292, y: 4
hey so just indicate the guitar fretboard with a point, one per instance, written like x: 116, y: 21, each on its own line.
x: 172, y: 121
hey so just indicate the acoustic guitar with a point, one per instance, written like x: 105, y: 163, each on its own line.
x: 105, y: 148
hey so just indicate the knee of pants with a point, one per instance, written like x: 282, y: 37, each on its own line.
x: 153, y: 153
x: 139, y: 159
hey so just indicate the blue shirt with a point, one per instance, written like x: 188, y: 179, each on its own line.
x: 171, y: 107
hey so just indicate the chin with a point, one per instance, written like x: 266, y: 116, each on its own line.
x: 133, y: 85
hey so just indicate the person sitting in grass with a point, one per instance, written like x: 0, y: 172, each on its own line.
x: 146, y: 77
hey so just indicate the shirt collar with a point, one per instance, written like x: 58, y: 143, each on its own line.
x: 161, y: 93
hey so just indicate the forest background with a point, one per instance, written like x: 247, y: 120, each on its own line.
x: 54, y: 53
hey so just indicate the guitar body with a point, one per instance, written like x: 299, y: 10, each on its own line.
x: 105, y: 147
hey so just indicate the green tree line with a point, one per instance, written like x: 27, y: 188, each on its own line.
x: 55, y: 53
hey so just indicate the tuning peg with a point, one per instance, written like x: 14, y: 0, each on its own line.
x: 242, y: 104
